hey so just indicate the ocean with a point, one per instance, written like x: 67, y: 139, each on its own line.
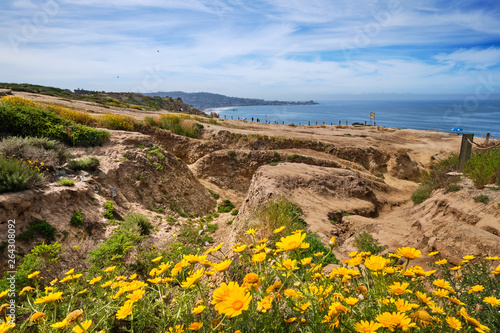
x: 478, y: 117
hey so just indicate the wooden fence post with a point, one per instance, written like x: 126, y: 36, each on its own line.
x: 465, y: 150
x: 487, y: 138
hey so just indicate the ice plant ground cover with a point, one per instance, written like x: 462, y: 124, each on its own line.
x: 266, y: 287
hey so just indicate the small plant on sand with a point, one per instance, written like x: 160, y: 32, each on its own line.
x: 366, y: 243
x: 225, y: 206
x: 77, y: 219
x: 483, y: 198
x: 86, y: 163
x: 108, y: 209
x: 67, y: 182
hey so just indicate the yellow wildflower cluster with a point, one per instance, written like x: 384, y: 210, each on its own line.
x: 262, y: 286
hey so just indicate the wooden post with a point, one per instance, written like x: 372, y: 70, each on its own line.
x: 465, y: 150
x: 487, y: 138
x: 339, y: 122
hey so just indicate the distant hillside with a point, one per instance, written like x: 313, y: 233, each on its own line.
x: 204, y: 100
x: 121, y: 99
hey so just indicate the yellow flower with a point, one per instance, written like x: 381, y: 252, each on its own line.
x: 409, y: 253
x: 25, y: 289
x: 306, y: 261
x: 454, y: 323
x: 157, y: 259
x: 73, y: 316
x: 176, y: 329
x: 240, y: 248
x: 333, y: 242
x: 280, y: 229
x: 469, y: 257
x: 221, y: 267
x: 351, y: 300
x: 433, y: 253
x: 195, y: 326
x: 475, y: 288
x: 251, y: 231
x: 86, y: 324
x: 265, y: 304
x: 441, y: 293
x: 259, y: 257
x: 441, y: 262
x: 496, y: 271
x: 52, y: 297
x: 199, y: 309
x: 290, y: 293
x: 235, y: 301
x: 136, y: 295
x: 192, y: 279
x: 109, y: 269
x: 367, y: 326
x: 61, y: 324
x: 36, y: 317
x: 32, y: 275
x: 376, y: 263
x: 442, y: 284
x: 252, y: 280
x: 292, y: 242
x: 399, y: 288
x: 492, y: 258
x: 53, y: 282
x: 82, y: 292
x: 395, y: 319
x: 403, y: 306
x: 290, y: 320
x: 125, y: 310
x: 65, y: 279
x: 493, y: 301
x: 95, y: 280
x: 71, y: 271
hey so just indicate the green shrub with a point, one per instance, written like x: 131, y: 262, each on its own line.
x: 38, y: 229
x: 231, y: 154
x: 35, y: 121
x: 67, y: 182
x: 37, y: 150
x: 108, y: 209
x: 212, y: 227
x: 86, y: 163
x: 16, y: 175
x: 482, y: 166
x: 366, y: 243
x: 225, y: 206
x: 453, y: 188
x: 77, y: 218
x: 214, y: 195
x: 181, y: 125
x: 436, y: 178
x: 138, y: 222
x: 483, y: 198
x: 41, y: 257
x: 234, y: 212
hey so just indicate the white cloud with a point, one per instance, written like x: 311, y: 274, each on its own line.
x: 473, y: 58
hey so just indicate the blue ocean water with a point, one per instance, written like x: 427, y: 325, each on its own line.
x: 479, y: 118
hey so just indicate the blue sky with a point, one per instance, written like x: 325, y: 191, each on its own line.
x: 273, y: 49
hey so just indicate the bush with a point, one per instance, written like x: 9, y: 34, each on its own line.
x: 483, y: 198
x: 214, y: 195
x: 86, y: 163
x: 366, y: 243
x: 482, y: 166
x: 38, y: 229
x: 37, y: 150
x: 436, y: 178
x: 17, y: 175
x: 35, y: 121
x: 225, y: 206
x: 180, y: 124
x: 67, y: 182
x: 116, y: 122
x: 234, y: 212
x: 138, y: 222
x: 77, y: 218
x: 108, y: 209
